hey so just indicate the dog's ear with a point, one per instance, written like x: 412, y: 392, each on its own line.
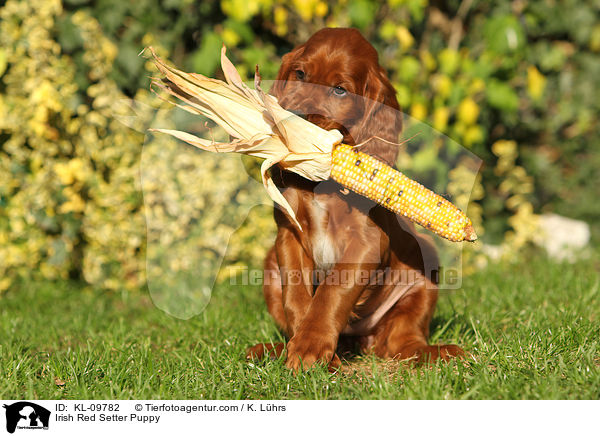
x: 287, y: 65
x: 381, y: 117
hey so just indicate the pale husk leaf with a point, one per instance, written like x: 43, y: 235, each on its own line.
x: 259, y: 125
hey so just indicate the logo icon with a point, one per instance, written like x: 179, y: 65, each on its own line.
x: 26, y: 415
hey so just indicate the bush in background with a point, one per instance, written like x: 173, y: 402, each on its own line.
x: 70, y: 191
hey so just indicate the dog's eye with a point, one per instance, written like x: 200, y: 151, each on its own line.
x: 299, y: 74
x: 339, y: 91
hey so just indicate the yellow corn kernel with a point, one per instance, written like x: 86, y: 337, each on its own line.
x: 373, y: 179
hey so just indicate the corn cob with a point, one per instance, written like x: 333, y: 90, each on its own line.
x: 373, y: 179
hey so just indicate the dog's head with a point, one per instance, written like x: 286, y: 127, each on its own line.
x: 335, y: 81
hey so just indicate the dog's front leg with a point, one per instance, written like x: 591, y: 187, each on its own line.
x: 316, y: 337
x: 296, y: 279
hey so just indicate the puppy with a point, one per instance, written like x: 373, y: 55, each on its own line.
x: 356, y: 269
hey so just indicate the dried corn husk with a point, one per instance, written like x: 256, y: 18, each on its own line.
x: 259, y: 126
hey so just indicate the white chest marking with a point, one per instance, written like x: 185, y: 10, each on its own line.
x: 323, y: 249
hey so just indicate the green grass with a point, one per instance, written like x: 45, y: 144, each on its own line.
x: 533, y: 327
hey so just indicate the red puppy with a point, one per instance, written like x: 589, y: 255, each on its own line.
x: 356, y: 269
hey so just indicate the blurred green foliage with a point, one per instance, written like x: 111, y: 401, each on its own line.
x: 513, y: 81
x: 70, y: 187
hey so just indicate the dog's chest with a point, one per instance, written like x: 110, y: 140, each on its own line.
x: 324, y: 243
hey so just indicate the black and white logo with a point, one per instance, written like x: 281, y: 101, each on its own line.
x: 26, y: 415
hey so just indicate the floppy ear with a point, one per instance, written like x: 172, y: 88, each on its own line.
x: 287, y: 64
x: 382, y: 117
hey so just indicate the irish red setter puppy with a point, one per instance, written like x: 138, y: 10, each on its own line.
x: 355, y: 269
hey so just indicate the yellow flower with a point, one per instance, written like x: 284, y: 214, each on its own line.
x: 440, y: 118
x: 404, y: 37
x: 504, y: 148
x: 74, y: 202
x: 109, y: 50
x: 305, y: 8
x: 536, y: 82
x: 48, y: 271
x: 63, y: 173
x: 418, y: 111
x: 443, y: 85
x: 241, y: 10
x: 230, y: 37
x: 70, y: 172
x: 280, y: 16
x: 507, y: 154
x: 77, y: 169
x: 476, y: 86
x: 468, y: 111
x: 321, y: 9
x: 5, y: 283
x: 472, y: 135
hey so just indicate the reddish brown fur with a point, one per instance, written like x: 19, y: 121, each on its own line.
x: 345, y: 234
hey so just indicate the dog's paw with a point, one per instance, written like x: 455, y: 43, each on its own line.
x: 260, y: 351
x: 431, y: 353
x: 306, y: 350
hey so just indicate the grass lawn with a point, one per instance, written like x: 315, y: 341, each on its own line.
x: 533, y: 327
